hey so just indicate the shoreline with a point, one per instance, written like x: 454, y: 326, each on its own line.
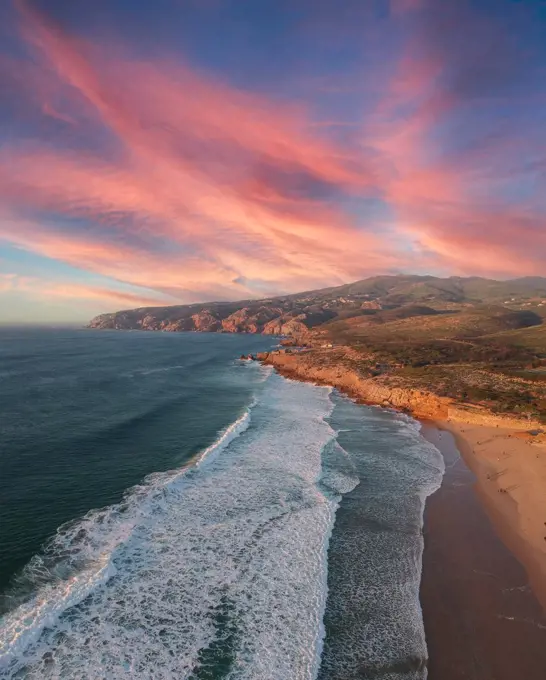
x: 508, y: 461
x: 481, y: 617
x: 488, y: 522
x: 510, y: 482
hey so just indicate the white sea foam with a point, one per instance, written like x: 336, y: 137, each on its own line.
x: 86, y: 549
x: 161, y: 369
x: 373, y: 614
x: 222, y: 564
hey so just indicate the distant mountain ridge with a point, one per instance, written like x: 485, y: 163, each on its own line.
x: 295, y: 314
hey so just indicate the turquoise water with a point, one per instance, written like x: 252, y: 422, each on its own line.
x: 169, y: 511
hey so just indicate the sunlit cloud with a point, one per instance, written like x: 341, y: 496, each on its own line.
x: 162, y: 175
x: 232, y: 178
x: 51, y: 291
x: 93, y: 293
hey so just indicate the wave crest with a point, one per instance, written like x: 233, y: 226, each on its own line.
x: 79, y: 558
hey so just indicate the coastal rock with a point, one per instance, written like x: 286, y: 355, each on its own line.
x: 236, y: 322
x: 150, y: 323
x: 318, y: 366
x: 206, y: 322
x: 311, y: 366
x: 101, y: 321
x: 246, y: 320
x: 286, y: 325
x: 217, y: 317
x: 178, y: 325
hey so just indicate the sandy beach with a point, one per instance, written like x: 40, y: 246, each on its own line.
x: 482, y: 618
x: 483, y: 590
x: 510, y: 470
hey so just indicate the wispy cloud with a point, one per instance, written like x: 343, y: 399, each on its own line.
x: 236, y: 180
x: 158, y: 174
x: 46, y: 290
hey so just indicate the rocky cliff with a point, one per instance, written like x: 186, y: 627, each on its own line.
x: 374, y: 299
x: 327, y: 368
x: 267, y: 320
x: 278, y: 316
x: 336, y: 368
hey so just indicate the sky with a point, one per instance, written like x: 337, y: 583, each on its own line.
x: 160, y: 152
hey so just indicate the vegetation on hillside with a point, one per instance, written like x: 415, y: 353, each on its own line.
x: 476, y: 340
x: 477, y: 354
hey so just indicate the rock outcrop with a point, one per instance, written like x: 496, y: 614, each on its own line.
x: 310, y: 366
x: 315, y: 366
x: 205, y: 322
x: 247, y: 320
x: 255, y: 317
x: 286, y: 325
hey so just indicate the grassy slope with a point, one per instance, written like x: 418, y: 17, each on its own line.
x: 473, y: 339
x: 481, y: 354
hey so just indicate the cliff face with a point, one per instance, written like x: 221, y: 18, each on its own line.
x: 286, y: 326
x: 317, y: 366
x: 206, y: 322
x: 247, y: 320
x: 295, y: 314
x: 312, y: 367
x: 270, y: 319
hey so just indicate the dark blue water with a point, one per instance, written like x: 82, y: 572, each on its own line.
x: 84, y: 415
x: 170, y: 511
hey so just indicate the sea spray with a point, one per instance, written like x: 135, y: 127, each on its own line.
x: 79, y: 558
x: 373, y: 618
x: 221, y: 571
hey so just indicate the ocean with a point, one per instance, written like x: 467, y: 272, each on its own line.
x: 168, y: 511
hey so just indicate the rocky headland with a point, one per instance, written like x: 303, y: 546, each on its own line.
x: 440, y: 348
x: 268, y: 319
x: 341, y: 368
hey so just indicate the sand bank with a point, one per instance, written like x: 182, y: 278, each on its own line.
x: 482, y: 619
x: 510, y: 470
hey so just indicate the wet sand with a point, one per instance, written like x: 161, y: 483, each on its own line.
x: 482, y: 620
x: 510, y: 469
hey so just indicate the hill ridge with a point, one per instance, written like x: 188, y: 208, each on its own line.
x: 296, y: 313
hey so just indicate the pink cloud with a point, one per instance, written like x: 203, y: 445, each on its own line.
x: 450, y: 204
x: 44, y: 289
x: 206, y: 186
x: 92, y: 293
x: 236, y: 179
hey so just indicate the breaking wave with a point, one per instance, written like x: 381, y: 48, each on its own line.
x: 216, y: 569
x: 80, y: 556
x: 373, y: 619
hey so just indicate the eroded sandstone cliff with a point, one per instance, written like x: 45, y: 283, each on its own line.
x: 337, y: 368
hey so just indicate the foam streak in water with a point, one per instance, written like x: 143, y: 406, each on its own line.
x: 79, y: 558
x: 373, y: 619
x: 214, y: 571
